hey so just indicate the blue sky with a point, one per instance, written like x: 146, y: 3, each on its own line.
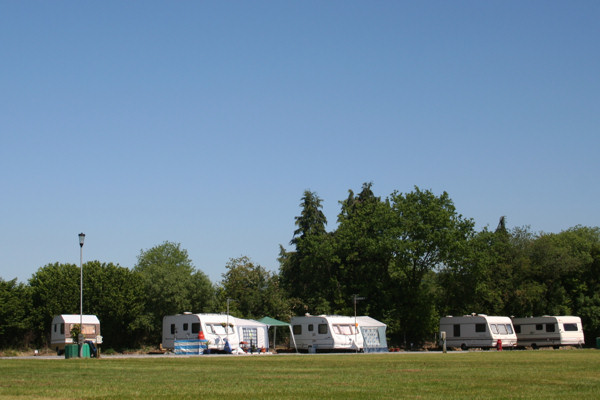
x: 203, y: 122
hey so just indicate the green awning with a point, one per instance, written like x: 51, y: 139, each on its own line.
x: 273, y: 322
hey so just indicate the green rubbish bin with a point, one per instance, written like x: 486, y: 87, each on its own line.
x: 71, y: 351
x: 598, y: 342
x: 85, y: 351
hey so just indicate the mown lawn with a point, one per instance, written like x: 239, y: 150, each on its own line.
x: 563, y: 374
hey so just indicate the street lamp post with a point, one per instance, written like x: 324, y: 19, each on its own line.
x: 227, y: 327
x: 79, y: 339
x: 356, y: 298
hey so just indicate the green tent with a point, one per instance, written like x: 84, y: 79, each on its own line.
x: 272, y: 322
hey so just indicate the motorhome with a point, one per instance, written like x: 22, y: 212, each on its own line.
x: 60, y: 331
x: 548, y: 330
x: 478, y: 330
x: 320, y: 333
x: 217, y: 329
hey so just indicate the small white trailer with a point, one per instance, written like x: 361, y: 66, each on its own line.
x: 314, y: 333
x: 549, y: 330
x: 217, y: 329
x: 478, y: 330
x: 60, y: 331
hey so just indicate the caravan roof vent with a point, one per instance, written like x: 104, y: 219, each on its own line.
x: 187, y: 313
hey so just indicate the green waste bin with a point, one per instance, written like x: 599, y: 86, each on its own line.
x: 598, y: 342
x: 71, y: 351
x: 85, y: 351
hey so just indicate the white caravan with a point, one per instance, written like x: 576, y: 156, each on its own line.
x: 478, y: 330
x: 549, y: 331
x: 337, y: 333
x: 60, y: 331
x: 216, y: 329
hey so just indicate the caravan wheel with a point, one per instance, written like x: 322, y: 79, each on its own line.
x: 464, y: 347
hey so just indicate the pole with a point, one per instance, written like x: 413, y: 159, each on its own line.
x: 80, y: 337
x: 356, y: 298
x: 355, y: 324
x: 80, y: 288
x: 227, y: 327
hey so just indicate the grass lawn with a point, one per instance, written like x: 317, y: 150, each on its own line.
x: 562, y: 374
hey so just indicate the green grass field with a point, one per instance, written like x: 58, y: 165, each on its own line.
x: 563, y: 374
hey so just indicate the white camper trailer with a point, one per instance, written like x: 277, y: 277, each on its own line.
x: 478, y: 330
x: 314, y: 333
x: 216, y: 329
x: 60, y: 331
x: 548, y: 330
x: 252, y: 334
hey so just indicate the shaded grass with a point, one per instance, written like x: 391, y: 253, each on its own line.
x: 498, y: 375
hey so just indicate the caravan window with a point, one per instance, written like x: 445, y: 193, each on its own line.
x: 250, y: 335
x: 539, y: 327
x: 550, y: 328
x: 343, y: 329
x: 195, y: 327
x: 323, y: 329
x: 502, y: 329
x: 457, y: 330
x: 518, y: 328
x: 62, y: 329
x: 219, y: 329
x: 509, y: 329
x: 479, y: 327
x: 297, y: 329
x: 89, y: 329
x: 570, y: 327
x: 310, y: 327
x: 172, y: 329
x: 494, y: 328
x: 185, y: 326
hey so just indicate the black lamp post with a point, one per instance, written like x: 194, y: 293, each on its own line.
x: 79, y: 339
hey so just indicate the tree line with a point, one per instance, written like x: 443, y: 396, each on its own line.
x: 410, y: 257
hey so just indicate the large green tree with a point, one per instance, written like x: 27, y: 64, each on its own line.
x: 115, y: 295
x: 111, y: 292
x: 567, y: 266
x: 256, y: 292
x: 171, y: 285
x: 427, y: 234
x: 307, y: 272
x: 15, y: 314
x: 483, y: 281
x: 55, y: 291
x: 363, y: 252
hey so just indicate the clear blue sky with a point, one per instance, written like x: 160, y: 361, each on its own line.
x: 203, y: 122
